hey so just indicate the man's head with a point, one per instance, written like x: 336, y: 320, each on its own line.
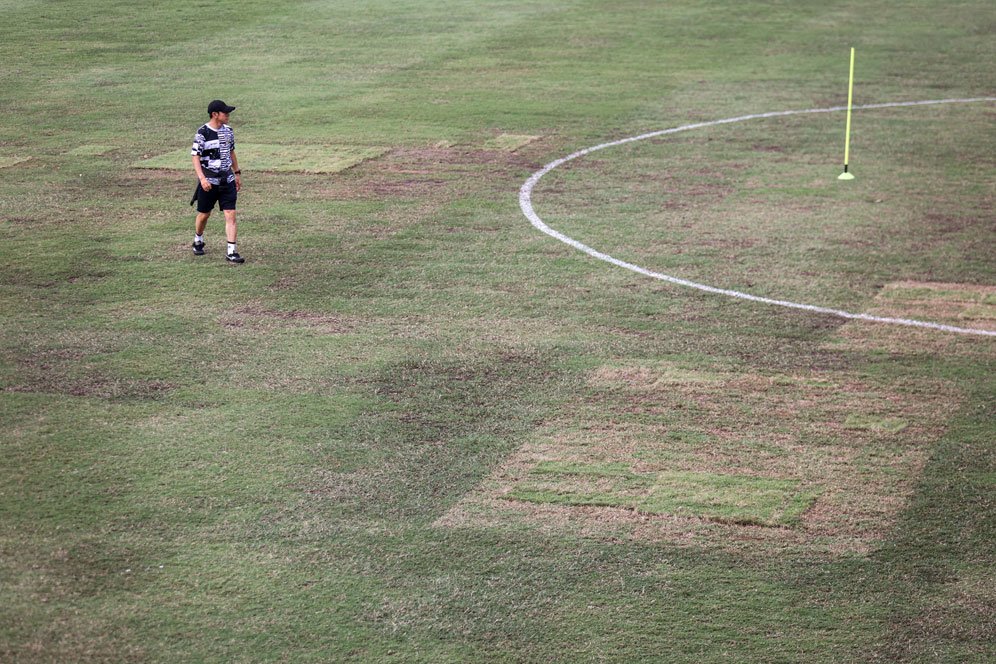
x: 218, y: 106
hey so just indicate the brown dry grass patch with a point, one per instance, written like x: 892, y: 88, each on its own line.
x: 970, y: 306
x: 666, y: 418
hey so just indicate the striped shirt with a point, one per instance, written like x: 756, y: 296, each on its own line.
x: 215, y: 147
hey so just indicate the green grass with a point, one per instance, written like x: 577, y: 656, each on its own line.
x: 314, y: 456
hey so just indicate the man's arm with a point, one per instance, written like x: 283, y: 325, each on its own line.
x: 205, y: 185
x: 237, y: 170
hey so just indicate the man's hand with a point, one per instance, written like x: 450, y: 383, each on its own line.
x: 205, y: 185
x: 238, y: 182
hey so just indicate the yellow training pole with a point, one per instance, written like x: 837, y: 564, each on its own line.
x: 847, y: 133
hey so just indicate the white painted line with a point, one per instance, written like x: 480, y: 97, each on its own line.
x: 525, y: 202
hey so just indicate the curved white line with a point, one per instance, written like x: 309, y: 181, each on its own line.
x: 525, y: 202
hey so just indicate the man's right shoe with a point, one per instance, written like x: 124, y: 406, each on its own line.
x: 198, y: 248
x: 235, y: 258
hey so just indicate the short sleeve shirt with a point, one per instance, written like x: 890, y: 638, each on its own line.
x: 215, y: 151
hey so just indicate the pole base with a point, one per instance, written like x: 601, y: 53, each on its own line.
x: 845, y: 176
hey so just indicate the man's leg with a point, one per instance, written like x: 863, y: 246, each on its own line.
x: 200, y: 223
x: 230, y: 226
x: 231, y: 231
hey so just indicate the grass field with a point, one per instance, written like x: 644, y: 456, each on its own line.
x: 412, y: 428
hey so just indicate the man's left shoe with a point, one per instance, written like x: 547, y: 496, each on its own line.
x: 235, y: 258
x: 198, y: 248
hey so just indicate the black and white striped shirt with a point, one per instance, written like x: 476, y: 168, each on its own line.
x: 215, y: 150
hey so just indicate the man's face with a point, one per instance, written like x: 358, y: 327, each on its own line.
x: 221, y: 117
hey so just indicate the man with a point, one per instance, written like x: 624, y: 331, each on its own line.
x: 218, y: 175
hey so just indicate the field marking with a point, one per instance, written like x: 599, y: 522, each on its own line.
x: 525, y: 203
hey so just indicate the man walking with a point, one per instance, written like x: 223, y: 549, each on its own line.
x: 218, y: 175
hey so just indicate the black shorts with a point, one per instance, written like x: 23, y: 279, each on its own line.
x: 223, y: 194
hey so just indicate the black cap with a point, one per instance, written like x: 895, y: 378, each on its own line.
x: 218, y: 106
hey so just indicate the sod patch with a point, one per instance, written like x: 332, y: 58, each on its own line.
x: 646, y: 378
x: 91, y: 150
x: 509, y: 142
x: 10, y: 160
x: 730, y: 499
x: 282, y: 158
x: 875, y: 423
x: 969, y: 304
x: 963, y: 305
x: 723, y: 498
x: 699, y: 455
